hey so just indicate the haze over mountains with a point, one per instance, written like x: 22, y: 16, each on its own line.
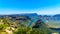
x: 32, y: 15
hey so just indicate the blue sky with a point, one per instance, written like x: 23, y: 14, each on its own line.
x: 49, y: 7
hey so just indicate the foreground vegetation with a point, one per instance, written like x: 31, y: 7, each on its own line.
x: 10, y: 27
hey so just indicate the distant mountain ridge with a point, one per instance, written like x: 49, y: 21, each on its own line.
x: 57, y: 15
x: 29, y: 15
x: 32, y: 15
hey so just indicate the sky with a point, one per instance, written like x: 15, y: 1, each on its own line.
x: 43, y: 7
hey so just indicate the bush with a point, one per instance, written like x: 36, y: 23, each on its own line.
x: 1, y: 27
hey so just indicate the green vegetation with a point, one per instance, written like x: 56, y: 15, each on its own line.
x: 10, y: 27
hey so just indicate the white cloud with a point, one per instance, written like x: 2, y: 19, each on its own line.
x: 50, y: 11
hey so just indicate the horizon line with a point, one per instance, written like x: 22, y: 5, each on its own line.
x: 27, y: 13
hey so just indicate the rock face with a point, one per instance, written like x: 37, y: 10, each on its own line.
x: 38, y: 24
